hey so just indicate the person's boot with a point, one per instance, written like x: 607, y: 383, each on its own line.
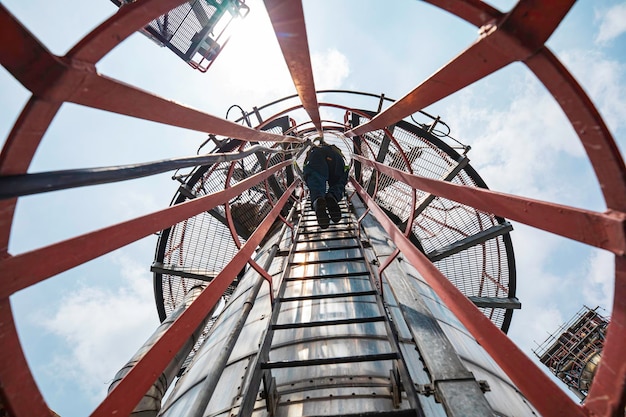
x: 319, y: 205
x: 333, y: 208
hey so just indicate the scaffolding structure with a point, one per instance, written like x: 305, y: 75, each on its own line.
x: 574, y: 351
x: 406, y: 298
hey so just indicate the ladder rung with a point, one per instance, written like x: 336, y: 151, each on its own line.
x: 311, y: 216
x: 330, y: 361
x: 311, y: 232
x: 309, y: 207
x: 326, y: 261
x: 286, y: 326
x: 363, y: 274
x: 324, y: 296
x: 326, y: 239
x: 326, y: 249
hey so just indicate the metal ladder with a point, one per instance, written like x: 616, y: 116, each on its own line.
x: 329, y: 326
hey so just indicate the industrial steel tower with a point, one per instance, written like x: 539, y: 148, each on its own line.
x: 399, y: 309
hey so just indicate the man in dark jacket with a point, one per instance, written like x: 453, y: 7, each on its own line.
x: 325, y: 164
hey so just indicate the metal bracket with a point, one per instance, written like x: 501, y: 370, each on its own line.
x: 396, y: 386
x: 431, y: 389
x: 484, y: 385
x: 427, y: 390
x: 270, y: 393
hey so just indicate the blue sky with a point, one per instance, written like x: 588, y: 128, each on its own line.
x: 81, y: 326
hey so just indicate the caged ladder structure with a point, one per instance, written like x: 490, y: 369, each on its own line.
x: 329, y: 307
x: 373, y: 317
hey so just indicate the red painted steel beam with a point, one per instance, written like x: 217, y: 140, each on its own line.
x: 287, y: 18
x: 18, y: 389
x: 104, y: 93
x: 602, y: 230
x: 542, y: 392
x: 22, y: 55
x: 17, y: 153
x: 26, y: 135
x: 29, y: 268
x: 601, y: 149
x: 517, y: 36
x: 127, y: 394
x: 7, y: 209
x: 607, y: 396
x: 470, y: 66
x: 25, y: 57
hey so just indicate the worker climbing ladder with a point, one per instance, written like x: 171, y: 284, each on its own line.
x: 329, y: 317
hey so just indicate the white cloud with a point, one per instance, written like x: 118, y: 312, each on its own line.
x: 612, y: 23
x: 518, y: 148
x: 599, y: 285
x: 539, y: 323
x: 536, y: 286
x: 604, y: 80
x: 102, y: 328
x: 330, y: 69
x: 131, y: 205
x: 251, y: 68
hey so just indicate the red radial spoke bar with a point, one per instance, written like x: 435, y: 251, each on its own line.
x: 532, y: 382
x: 25, y: 57
x: 607, y: 396
x: 7, y: 209
x: 602, y: 230
x: 23, y: 270
x: 26, y: 135
x: 472, y: 65
x: 127, y: 394
x: 523, y: 31
x: 107, y: 94
x: 287, y: 18
x: 530, y: 24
